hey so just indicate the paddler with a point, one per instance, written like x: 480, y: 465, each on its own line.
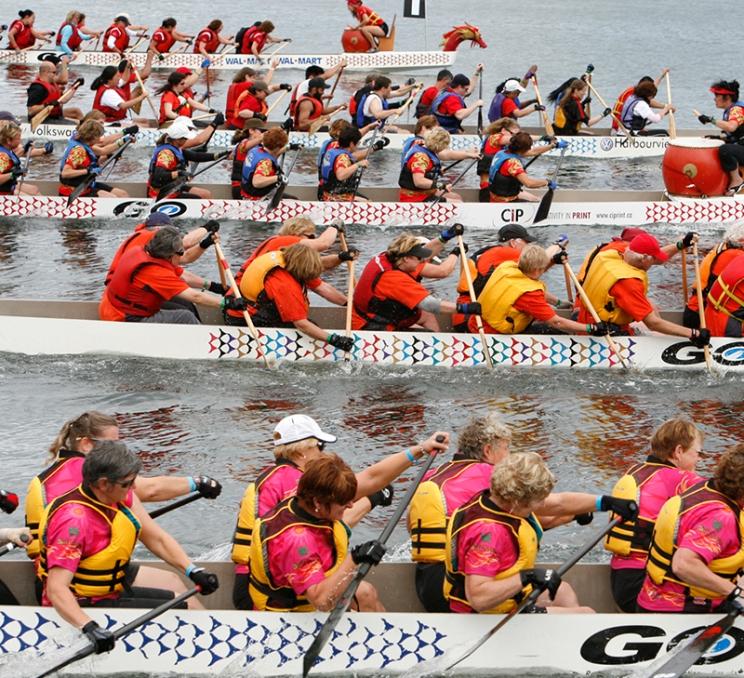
x: 88, y: 536
x: 423, y: 107
x: 731, y: 154
x: 668, y: 471
x: 166, y: 36
x: 117, y: 36
x: 371, y: 24
x: 637, y: 112
x: 208, y: 40
x: 299, y: 440
x: 724, y: 305
x: 449, y: 108
x: 507, y: 176
x: 47, y: 89
x: 570, y: 115
x: 483, y: 442
x: 11, y: 164
x: 617, y: 108
x: 696, y: 554
x: 71, y: 33
x: 21, y: 33
x: 617, y: 286
x: 388, y: 295
x: 309, y: 107
x: 493, y: 541
x: 146, y: 278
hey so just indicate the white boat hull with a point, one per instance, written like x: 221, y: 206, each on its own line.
x: 354, y: 61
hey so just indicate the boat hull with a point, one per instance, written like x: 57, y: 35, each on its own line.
x: 354, y: 61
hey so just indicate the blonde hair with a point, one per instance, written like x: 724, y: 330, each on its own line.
x: 533, y: 258
x: 437, y: 139
x: 88, y: 425
x: 90, y: 131
x: 520, y: 480
x: 7, y: 132
x: 298, y: 225
x: 479, y: 432
x: 401, y: 246
x: 673, y: 432
x: 302, y: 262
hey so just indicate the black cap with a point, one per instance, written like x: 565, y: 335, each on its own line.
x: 317, y: 82
x: 460, y: 80
x: 511, y: 231
x: 419, y: 251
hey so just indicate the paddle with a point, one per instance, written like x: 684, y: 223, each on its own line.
x: 672, y: 121
x: 590, y: 307
x: 10, y: 546
x: 45, y: 112
x: 471, y: 290
x: 701, y: 307
x: 124, y: 630
x: 361, y: 572
x: 349, y: 292
x: 534, y: 595
x: 480, y: 108
x: 281, y: 186
x: 236, y: 291
x: 174, y: 186
x: 543, y: 208
x: 176, y: 504
x: 27, y: 161
x: 90, y: 179
x: 689, y: 652
x: 546, y: 118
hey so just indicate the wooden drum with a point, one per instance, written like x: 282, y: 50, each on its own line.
x: 691, y: 168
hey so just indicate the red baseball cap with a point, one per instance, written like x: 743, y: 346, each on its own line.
x: 723, y: 90
x: 647, y: 244
x: 184, y: 70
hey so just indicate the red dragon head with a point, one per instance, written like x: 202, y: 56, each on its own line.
x: 458, y: 34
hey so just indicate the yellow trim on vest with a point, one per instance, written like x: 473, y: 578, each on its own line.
x: 608, y: 268
x: 252, y: 282
x: 505, y: 286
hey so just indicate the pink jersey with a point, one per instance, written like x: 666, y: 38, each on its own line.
x: 484, y: 548
x: 709, y: 530
x: 664, y: 484
x: 300, y: 557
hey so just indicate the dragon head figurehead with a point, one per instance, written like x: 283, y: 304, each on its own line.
x: 452, y: 39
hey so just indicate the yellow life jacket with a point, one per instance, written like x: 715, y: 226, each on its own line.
x: 428, y: 513
x: 634, y: 535
x: 36, y: 498
x: 664, y: 541
x: 505, y: 286
x: 523, y: 533
x: 252, y: 282
x: 247, y: 515
x: 104, y: 572
x: 608, y: 268
x: 264, y: 592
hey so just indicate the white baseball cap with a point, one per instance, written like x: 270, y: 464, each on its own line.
x: 513, y: 86
x: 299, y: 427
x: 182, y: 128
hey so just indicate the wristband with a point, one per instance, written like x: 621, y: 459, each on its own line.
x: 410, y: 457
x: 192, y: 484
x: 189, y: 569
x: 598, y: 503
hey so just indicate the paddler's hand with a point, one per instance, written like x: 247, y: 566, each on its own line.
x: 103, y: 640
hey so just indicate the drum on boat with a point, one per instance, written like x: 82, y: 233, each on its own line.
x: 691, y: 168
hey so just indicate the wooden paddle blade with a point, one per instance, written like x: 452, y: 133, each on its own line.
x: 543, y: 208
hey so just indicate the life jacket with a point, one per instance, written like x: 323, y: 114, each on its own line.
x: 264, y: 592
x: 429, y: 511
x: 503, y: 289
x: 738, y: 134
x: 105, y: 572
x: 374, y: 309
x: 37, y: 498
x: 360, y: 119
x: 179, y: 104
x: 664, y: 540
x: 634, y: 535
x: 617, y: 109
x: 726, y: 294
x: 92, y: 162
x: 449, y: 122
x: 405, y: 180
x: 331, y: 183
x: 54, y: 92
x: 124, y: 296
x: 356, y: 100
x: 8, y: 188
x: 24, y: 36
x: 628, y: 117
x: 121, y: 37
x: 112, y: 114
x: 255, y: 156
x: 408, y: 144
x: 249, y: 511
x: 525, y: 535
x: 488, y: 151
x: 498, y: 183
x: 75, y: 39
x: 210, y: 39
x: 162, y: 40
x: 231, y: 110
x: 561, y: 121
x: 316, y: 113
x: 153, y: 181
x: 608, y: 268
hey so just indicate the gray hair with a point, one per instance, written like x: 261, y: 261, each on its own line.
x: 479, y: 432
x: 110, y: 459
x: 165, y: 243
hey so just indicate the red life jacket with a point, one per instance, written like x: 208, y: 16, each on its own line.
x: 317, y: 109
x: 54, y: 92
x: 233, y: 92
x: 162, y: 40
x: 135, y: 299
x: 112, y: 114
x: 121, y: 37
x: 75, y: 39
x: 24, y: 36
x: 210, y: 39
